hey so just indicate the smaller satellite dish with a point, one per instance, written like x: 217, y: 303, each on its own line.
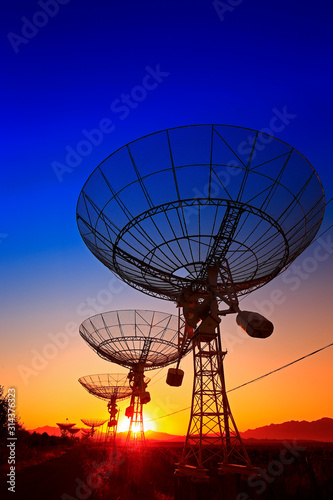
x: 254, y: 324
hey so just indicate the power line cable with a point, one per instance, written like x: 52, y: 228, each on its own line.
x: 254, y: 380
x: 282, y: 367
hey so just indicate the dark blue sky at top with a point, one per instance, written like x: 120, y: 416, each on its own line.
x: 262, y: 56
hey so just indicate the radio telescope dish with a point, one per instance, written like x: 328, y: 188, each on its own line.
x: 160, y: 210
x: 93, y: 424
x: 111, y: 388
x: 72, y: 431
x: 132, y: 337
x: 138, y: 340
x: 107, y: 386
x: 66, y: 424
x: 64, y: 427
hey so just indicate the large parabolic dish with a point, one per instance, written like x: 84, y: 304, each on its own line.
x: 160, y: 210
x: 107, y: 386
x: 132, y: 337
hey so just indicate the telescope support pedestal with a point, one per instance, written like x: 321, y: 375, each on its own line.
x: 211, y: 423
x: 136, y: 435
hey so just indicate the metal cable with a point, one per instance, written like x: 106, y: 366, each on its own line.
x: 254, y: 380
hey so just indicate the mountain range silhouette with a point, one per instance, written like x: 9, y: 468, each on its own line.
x: 317, y: 430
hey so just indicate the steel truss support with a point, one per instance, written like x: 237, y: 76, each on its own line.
x: 212, y: 431
x: 110, y: 436
x: 136, y: 434
x: 111, y: 430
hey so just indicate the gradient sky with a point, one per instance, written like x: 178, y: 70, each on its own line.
x: 64, y: 78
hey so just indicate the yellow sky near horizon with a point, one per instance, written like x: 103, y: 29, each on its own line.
x: 45, y: 374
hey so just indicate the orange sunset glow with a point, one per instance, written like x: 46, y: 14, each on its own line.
x: 51, y: 393
x: 166, y: 242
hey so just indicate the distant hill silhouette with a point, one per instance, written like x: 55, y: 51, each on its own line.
x: 51, y: 431
x: 318, y: 430
x: 163, y: 436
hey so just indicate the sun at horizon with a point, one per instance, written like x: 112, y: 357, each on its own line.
x: 123, y: 425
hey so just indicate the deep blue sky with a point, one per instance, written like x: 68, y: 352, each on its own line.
x: 262, y: 56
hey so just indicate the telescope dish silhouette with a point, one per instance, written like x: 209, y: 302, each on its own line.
x: 202, y: 215
x: 72, y: 432
x: 110, y: 388
x: 64, y: 427
x: 86, y: 433
x: 90, y: 422
x: 93, y: 424
x: 139, y: 341
x: 107, y: 386
x: 160, y: 210
x: 131, y: 338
